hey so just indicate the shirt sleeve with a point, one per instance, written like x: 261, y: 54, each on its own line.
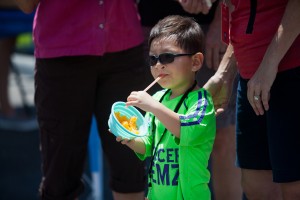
x: 199, y: 123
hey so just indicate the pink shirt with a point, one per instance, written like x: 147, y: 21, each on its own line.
x: 85, y: 27
x: 249, y: 49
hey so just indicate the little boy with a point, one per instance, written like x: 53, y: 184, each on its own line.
x: 181, y: 117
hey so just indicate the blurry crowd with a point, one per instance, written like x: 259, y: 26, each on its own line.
x: 97, y: 54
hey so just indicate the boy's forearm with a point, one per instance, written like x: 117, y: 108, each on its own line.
x: 168, y: 118
x: 137, y: 145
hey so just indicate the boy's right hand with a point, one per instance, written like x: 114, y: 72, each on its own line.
x: 142, y: 100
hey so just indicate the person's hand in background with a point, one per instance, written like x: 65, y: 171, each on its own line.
x: 196, y: 6
x: 27, y: 6
x: 214, y: 46
x: 220, y: 84
x: 220, y: 92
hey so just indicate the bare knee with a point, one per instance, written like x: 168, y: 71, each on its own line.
x: 290, y: 191
x: 258, y: 185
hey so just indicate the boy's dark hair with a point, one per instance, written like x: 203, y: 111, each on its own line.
x: 184, y: 30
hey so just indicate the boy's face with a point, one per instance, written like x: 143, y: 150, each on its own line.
x: 179, y: 74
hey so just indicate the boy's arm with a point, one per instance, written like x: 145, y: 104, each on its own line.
x: 27, y: 6
x: 144, y: 101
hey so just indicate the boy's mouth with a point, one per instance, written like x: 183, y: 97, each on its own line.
x: 162, y: 75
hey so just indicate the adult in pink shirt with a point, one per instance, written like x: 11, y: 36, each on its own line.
x: 265, y: 44
x: 89, y: 55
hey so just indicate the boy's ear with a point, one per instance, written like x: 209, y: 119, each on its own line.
x: 197, y: 61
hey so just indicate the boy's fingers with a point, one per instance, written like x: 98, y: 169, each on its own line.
x: 123, y: 140
x: 119, y: 139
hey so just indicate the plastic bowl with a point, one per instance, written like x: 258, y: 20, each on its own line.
x: 118, y: 129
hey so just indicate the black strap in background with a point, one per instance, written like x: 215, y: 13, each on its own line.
x: 165, y: 130
x: 253, y: 5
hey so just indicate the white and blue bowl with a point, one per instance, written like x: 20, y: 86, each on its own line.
x: 118, y: 129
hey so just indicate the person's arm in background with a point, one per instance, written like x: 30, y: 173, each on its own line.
x: 8, y: 4
x: 214, y: 46
x: 220, y: 84
x: 260, y: 84
x: 27, y: 6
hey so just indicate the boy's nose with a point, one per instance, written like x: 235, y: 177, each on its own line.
x: 158, y: 65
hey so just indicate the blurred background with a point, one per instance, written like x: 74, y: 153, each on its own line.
x: 20, y: 171
x: 20, y: 161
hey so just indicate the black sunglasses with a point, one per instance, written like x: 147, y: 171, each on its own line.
x: 166, y: 58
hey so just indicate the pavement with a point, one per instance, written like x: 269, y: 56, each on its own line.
x: 20, y: 161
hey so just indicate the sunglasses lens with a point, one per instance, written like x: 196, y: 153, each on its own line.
x: 166, y: 58
x: 152, y: 60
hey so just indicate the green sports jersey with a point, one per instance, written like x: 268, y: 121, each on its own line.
x: 179, y: 166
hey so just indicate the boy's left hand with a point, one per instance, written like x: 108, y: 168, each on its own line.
x: 123, y: 140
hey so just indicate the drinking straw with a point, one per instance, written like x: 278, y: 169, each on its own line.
x: 151, y: 84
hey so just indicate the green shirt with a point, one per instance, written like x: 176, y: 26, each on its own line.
x: 179, y: 168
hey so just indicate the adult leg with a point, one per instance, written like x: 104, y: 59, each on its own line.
x: 284, y: 131
x: 6, y: 48
x: 253, y: 150
x: 290, y: 191
x: 259, y: 185
x: 119, y: 74
x: 64, y: 97
x: 226, y: 177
